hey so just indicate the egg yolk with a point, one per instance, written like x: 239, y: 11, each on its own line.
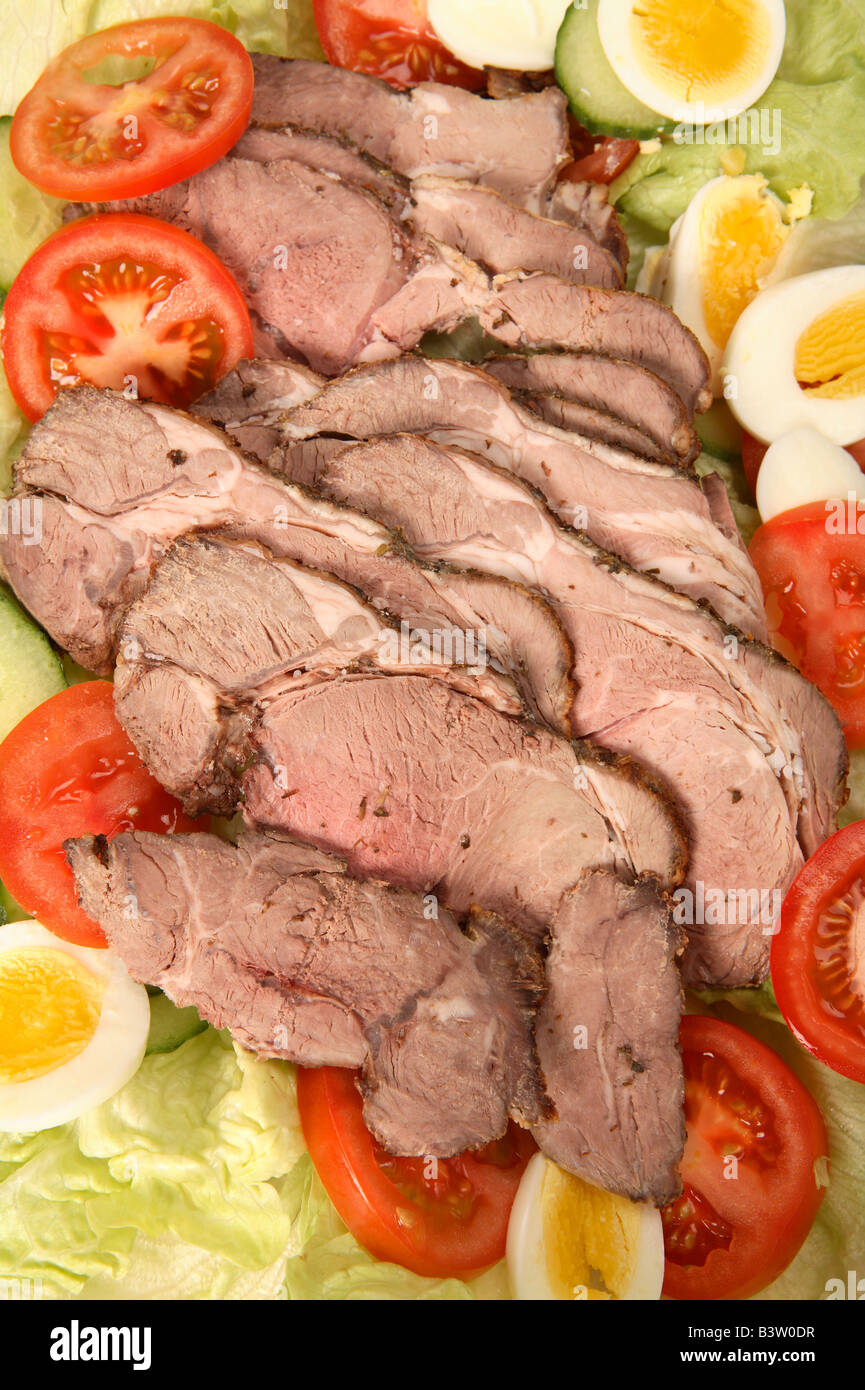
x: 49, y: 1010
x: 590, y: 1237
x: 741, y: 235
x: 830, y: 355
x: 699, y: 51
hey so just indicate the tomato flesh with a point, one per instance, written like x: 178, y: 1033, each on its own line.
x: 436, y: 1217
x: 602, y: 162
x: 68, y: 769
x: 125, y: 301
x: 391, y: 39
x: 750, y: 1193
x: 818, y: 955
x: 75, y: 138
x: 811, y: 563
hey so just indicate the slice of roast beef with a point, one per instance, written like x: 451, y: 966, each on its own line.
x: 501, y: 236
x: 543, y: 311
x: 273, y: 941
x: 326, y: 155
x: 588, y: 205
x: 255, y: 387
x: 118, y: 480
x: 608, y: 1027
x: 622, y: 389
x: 516, y: 147
x: 654, y: 516
x: 201, y: 639
x: 592, y: 423
x: 752, y: 752
x: 434, y: 790
x: 323, y: 265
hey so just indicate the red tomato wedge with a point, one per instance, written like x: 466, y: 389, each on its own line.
x: 125, y: 301
x: 603, y: 162
x: 88, y: 139
x: 391, y: 39
x: 818, y: 956
x: 813, y: 578
x: 68, y: 769
x: 750, y: 1190
x: 437, y: 1217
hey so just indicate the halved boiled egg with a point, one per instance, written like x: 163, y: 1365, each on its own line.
x: 568, y: 1240
x: 804, y: 466
x: 518, y: 34
x: 73, y: 1027
x: 796, y: 358
x: 722, y: 251
x: 696, y: 61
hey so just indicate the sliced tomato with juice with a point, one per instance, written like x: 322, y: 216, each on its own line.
x: 811, y: 563
x: 68, y: 769
x: 602, y: 162
x: 436, y: 1217
x: 391, y: 39
x: 751, y: 1192
x: 818, y: 955
x: 106, y: 139
x: 126, y: 301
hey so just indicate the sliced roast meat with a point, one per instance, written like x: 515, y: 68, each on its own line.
x: 588, y: 205
x: 609, y: 1027
x: 201, y: 638
x: 543, y: 311
x: 273, y: 941
x: 501, y: 236
x: 255, y: 387
x: 323, y: 264
x: 118, y: 480
x: 654, y: 516
x: 622, y: 389
x: 327, y: 155
x: 516, y: 147
x: 751, y: 750
x: 586, y: 420
x: 436, y: 791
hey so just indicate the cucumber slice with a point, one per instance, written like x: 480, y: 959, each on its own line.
x: 30, y: 670
x: 720, y: 432
x: 170, y: 1026
x: 597, y: 98
x: 27, y: 216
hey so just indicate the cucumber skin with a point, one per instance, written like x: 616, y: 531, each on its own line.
x: 720, y: 434
x: 31, y: 670
x: 170, y: 1026
x: 579, y: 49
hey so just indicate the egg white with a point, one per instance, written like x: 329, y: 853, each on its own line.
x: 804, y: 466
x: 112, y: 1056
x: 527, y: 1257
x: 518, y: 34
x: 759, y: 364
x: 614, y: 28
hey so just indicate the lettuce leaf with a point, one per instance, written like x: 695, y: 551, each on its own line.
x: 819, y: 93
x: 193, y: 1182
x: 35, y: 31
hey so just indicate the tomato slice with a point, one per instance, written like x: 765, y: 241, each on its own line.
x: 750, y: 1191
x: 391, y: 39
x: 88, y: 139
x: 437, y: 1217
x: 125, y: 301
x: 68, y: 769
x: 813, y: 578
x: 818, y: 955
x: 605, y: 161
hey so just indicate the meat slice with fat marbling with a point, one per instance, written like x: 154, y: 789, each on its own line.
x: 275, y: 942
